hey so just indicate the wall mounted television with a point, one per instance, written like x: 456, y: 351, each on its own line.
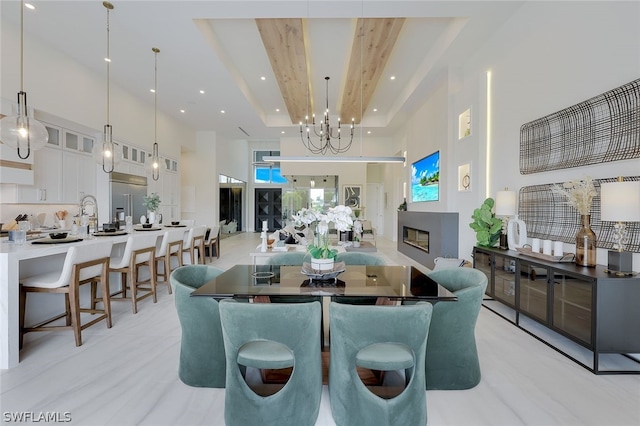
x: 425, y: 178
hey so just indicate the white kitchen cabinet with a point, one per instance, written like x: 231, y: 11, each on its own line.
x: 78, y: 176
x: 47, y: 187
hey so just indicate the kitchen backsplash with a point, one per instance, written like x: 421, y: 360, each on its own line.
x: 9, y: 212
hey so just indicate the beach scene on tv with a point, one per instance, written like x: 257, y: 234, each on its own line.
x: 425, y: 178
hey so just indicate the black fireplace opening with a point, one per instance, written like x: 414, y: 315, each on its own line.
x: 416, y: 238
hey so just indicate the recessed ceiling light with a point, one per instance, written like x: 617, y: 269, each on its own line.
x: 222, y: 111
x: 282, y: 132
x: 375, y: 110
x: 182, y: 111
x: 107, y: 59
x: 368, y: 132
x: 29, y: 6
x: 202, y: 92
x: 263, y: 78
x: 152, y: 90
x: 277, y: 109
x: 393, y: 77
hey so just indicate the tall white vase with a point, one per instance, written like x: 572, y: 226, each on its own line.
x: 152, y: 217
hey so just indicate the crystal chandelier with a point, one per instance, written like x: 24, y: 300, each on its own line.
x: 329, y: 138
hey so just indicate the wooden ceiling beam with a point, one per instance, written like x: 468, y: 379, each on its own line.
x: 372, y: 46
x: 283, y: 40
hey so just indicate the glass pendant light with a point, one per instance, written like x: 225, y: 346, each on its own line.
x: 20, y: 131
x: 107, y: 153
x: 154, y: 164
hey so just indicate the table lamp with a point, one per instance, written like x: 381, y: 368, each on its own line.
x: 516, y: 230
x: 620, y: 202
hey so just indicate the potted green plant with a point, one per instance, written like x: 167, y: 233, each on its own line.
x: 487, y: 226
x: 152, y: 203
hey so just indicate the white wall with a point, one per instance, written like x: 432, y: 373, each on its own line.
x: 199, y: 177
x: 548, y: 56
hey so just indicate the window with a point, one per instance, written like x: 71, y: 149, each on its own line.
x: 266, y: 172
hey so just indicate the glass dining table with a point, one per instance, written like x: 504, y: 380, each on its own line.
x: 387, y: 283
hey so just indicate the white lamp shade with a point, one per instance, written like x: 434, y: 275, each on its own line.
x: 620, y: 201
x: 506, y: 203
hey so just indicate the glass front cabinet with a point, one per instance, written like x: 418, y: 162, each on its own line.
x: 589, y: 306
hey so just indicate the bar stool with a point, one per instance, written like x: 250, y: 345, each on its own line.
x: 213, y: 240
x: 193, y: 240
x: 82, y: 265
x: 169, y: 247
x: 138, y: 251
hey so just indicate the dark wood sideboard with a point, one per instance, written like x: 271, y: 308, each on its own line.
x: 589, y: 306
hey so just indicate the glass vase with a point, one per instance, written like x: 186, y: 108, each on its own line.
x: 586, y: 243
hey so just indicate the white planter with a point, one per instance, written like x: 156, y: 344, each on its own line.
x: 152, y: 217
x: 322, y: 264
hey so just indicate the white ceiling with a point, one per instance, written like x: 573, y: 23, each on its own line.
x: 215, y: 46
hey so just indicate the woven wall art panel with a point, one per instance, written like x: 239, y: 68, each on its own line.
x: 549, y: 216
x: 601, y: 129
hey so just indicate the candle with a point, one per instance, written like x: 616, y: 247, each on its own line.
x: 546, y: 247
x: 558, y: 248
x: 264, y: 225
x: 535, y: 245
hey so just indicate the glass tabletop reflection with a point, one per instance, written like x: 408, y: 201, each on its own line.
x: 393, y: 282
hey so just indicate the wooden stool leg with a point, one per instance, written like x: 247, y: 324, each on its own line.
x: 152, y: 280
x: 67, y: 310
x: 23, y: 306
x: 94, y: 294
x: 74, y: 306
x: 106, y: 298
x: 133, y: 277
x: 123, y: 284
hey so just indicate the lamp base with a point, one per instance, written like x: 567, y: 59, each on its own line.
x: 620, y: 262
x: 503, y: 242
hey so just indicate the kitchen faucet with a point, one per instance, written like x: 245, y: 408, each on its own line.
x: 86, y: 200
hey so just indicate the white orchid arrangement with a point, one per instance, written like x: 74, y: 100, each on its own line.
x: 579, y: 193
x: 341, y: 216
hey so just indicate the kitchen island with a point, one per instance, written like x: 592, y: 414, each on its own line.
x: 22, y: 260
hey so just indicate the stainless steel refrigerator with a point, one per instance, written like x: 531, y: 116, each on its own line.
x: 127, y: 193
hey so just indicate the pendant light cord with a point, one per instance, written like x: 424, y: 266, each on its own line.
x: 22, y: 47
x: 108, y: 64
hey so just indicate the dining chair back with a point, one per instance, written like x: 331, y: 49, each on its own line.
x: 380, y: 338
x: 272, y: 336
x: 452, y: 356
x: 202, y: 359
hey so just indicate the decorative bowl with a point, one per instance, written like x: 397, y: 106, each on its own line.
x: 175, y: 223
x: 147, y: 225
x: 58, y: 235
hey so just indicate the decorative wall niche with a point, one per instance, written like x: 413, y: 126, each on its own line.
x: 464, y: 124
x: 464, y: 177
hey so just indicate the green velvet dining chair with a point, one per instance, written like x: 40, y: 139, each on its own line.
x: 269, y: 336
x: 382, y: 338
x: 452, y: 356
x: 357, y: 258
x: 202, y: 361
